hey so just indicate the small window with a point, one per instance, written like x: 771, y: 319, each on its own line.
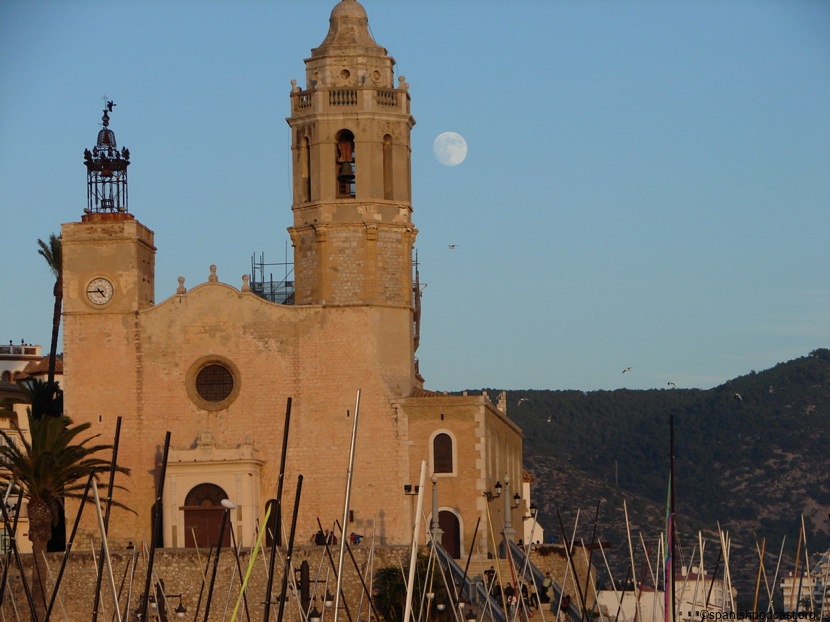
x: 442, y: 454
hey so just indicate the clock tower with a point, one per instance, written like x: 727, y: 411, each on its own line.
x: 108, y: 268
x: 108, y: 257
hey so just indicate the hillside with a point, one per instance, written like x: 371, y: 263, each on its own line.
x: 751, y: 455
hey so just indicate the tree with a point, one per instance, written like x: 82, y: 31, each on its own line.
x: 390, y: 587
x: 52, y: 253
x: 45, y: 398
x: 54, y: 465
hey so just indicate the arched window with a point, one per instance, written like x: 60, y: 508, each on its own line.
x: 205, y: 495
x: 387, y: 167
x: 442, y: 453
x: 305, y: 169
x: 345, y: 164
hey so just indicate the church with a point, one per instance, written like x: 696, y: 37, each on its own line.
x: 218, y: 366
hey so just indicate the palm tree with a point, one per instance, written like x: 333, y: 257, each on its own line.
x: 44, y: 398
x: 53, y: 255
x: 55, y: 464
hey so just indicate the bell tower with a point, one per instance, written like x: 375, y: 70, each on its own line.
x: 108, y: 257
x: 352, y: 231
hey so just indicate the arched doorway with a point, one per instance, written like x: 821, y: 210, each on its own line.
x: 203, y: 516
x: 451, y: 538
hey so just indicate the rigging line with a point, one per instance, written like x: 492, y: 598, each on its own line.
x: 593, y: 583
x: 775, y: 579
x: 54, y: 585
x: 569, y: 551
x: 333, y: 567
x: 256, y: 549
x: 242, y: 578
x: 357, y: 569
x: 608, y: 569
x: 631, y: 555
x: 760, y: 551
x: 806, y: 563
x: 498, y: 565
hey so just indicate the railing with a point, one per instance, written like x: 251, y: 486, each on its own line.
x: 22, y: 350
x: 366, y: 98
x: 386, y: 97
x: 343, y: 97
x: 304, y: 100
x: 474, y: 591
x: 521, y: 561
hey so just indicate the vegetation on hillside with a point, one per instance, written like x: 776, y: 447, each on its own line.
x: 751, y: 455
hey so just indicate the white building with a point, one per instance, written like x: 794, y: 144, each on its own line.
x: 694, y: 592
x: 809, y: 591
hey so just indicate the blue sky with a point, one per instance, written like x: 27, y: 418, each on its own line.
x: 647, y: 184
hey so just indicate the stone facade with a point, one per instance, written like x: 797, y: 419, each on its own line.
x: 215, y: 365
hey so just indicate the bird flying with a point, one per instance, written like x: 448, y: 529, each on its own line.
x: 738, y: 397
x: 522, y: 400
x: 626, y: 369
x: 671, y: 384
x: 452, y: 247
x: 549, y: 418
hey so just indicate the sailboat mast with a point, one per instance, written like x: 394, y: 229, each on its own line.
x: 669, y: 580
x: 346, y: 504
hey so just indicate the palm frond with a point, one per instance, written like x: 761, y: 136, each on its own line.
x: 52, y: 253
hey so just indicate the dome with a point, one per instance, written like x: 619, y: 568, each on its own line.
x: 348, y: 27
x: 348, y: 9
x: 106, y: 138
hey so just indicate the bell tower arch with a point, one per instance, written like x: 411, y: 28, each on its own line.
x: 352, y: 208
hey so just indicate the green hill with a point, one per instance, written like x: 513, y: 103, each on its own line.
x: 751, y: 455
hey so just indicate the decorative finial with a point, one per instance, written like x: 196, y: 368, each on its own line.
x: 181, y: 288
x: 109, y: 106
x: 213, y: 278
x: 245, y: 286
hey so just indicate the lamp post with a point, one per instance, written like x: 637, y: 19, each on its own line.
x: 435, y: 528
x: 509, y: 532
x: 490, y: 496
x: 158, y: 603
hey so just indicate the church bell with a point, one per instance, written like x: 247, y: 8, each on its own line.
x: 346, y: 173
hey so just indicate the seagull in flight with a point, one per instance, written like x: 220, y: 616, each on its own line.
x: 549, y: 418
x: 522, y: 400
x: 738, y: 397
x: 671, y: 384
x: 452, y: 247
x: 626, y: 369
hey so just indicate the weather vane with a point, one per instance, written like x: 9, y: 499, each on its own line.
x: 109, y: 106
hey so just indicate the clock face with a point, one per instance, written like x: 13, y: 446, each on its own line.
x: 99, y: 291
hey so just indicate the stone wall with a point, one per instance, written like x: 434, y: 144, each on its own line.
x: 182, y: 572
x: 185, y: 571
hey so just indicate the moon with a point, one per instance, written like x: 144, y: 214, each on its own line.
x: 450, y: 148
